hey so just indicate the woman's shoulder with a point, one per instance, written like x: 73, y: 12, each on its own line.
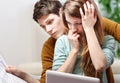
x: 62, y: 38
x: 108, y: 37
x: 109, y: 41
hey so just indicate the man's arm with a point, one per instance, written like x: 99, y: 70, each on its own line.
x: 47, y: 57
x: 21, y: 74
x: 28, y: 78
x: 112, y: 28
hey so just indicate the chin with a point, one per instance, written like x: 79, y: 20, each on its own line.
x: 55, y: 37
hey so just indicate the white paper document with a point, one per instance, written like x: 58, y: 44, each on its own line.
x: 7, y: 77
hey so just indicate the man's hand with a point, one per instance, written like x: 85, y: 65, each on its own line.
x: 23, y: 75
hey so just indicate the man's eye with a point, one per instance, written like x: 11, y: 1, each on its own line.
x: 50, y: 22
x: 43, y: 26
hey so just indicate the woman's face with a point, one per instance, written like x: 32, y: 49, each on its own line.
x: 52, y: 24
x: 74, y: 24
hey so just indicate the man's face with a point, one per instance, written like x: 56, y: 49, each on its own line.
x: 52, y: 24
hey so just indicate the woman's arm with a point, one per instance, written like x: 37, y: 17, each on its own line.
x: 108, y: 47
x: 96, y: 53
x: 63, y: 61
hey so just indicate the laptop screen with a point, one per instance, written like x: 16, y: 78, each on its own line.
x: 60, y: 77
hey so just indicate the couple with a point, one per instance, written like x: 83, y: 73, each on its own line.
x: 85, y: 44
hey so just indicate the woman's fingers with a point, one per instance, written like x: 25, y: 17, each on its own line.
x: 92, y: 9
x: 88, y: 16
x: 81, y: 13
x: 88, y: 8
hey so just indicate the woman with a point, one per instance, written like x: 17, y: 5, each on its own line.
x: 48, y: 47
x: 85, y: 50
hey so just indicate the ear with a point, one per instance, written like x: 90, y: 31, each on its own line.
x: 60, y: 12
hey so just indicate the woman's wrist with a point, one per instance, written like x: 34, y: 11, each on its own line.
x: 75, y: 51
x: 89, y: 31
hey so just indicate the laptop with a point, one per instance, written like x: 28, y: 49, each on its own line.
x: 60, y: 77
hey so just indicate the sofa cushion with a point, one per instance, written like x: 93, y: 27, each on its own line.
x: 117, y: 78
x: 116, y: 66
x: 33, y: 68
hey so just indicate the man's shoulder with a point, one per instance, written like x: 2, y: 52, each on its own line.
x: 50, y: 39
x: 50, y: 42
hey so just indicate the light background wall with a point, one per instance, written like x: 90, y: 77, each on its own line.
x: 21, y: 38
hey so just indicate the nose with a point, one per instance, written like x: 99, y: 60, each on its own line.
x: 73, y: 28
x: 49, y: 29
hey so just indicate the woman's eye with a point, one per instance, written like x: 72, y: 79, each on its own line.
x: 78, y: 23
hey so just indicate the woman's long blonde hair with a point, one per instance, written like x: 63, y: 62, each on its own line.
x: 71, y: 7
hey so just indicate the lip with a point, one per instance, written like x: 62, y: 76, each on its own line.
x: 53, y: 34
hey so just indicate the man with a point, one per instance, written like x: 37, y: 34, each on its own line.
x: 46, y: 14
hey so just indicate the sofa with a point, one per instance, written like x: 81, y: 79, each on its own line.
x: 116, y: 70
x: 35, y: 68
